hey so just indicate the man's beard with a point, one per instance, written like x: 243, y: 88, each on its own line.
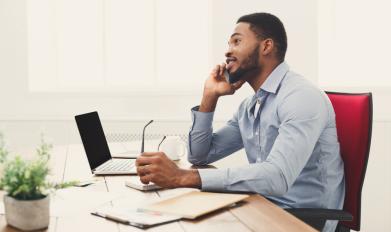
x: 248, y: 65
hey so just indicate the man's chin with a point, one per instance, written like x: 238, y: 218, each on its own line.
x: 236, y: 75
x: 243, y: 74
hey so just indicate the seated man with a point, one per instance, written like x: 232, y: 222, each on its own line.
x: 287, y: 129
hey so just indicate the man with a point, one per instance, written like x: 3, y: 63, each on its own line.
x: 287, y: 129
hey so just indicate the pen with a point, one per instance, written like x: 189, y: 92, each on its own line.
x: 111, y: 217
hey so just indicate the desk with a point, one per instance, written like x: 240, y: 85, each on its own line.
x: 70, y: 208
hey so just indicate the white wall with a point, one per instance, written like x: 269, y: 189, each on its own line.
x: 19, y: 103
x: 354, y: 49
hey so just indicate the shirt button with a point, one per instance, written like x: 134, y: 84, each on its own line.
x: 256, y: 133
x: 258, y: 160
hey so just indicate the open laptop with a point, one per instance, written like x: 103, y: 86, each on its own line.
x: 97, y: 149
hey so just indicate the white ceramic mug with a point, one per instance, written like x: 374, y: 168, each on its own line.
x: 173, y: 147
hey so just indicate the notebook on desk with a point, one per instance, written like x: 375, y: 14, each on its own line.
x: 194, y: 204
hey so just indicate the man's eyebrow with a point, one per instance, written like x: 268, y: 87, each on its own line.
x: 236, y: 33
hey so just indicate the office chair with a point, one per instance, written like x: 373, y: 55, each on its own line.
x: 354, y: 129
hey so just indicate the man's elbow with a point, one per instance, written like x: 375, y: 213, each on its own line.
x: 197, y: 156
x: 279, y: 186
x: 196, y: 161
x: 280, y: 190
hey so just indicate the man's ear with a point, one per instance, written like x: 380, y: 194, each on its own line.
x: 267, y: 46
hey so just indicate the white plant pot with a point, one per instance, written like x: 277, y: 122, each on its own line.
x: 27, y: 215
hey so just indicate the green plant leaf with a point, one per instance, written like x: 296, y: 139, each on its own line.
x: 27, y: 179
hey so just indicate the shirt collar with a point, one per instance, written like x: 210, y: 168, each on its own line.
x: 273, y: 81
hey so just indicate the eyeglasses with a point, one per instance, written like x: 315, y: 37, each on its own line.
x: 142, y: 142
x: 158, y: 147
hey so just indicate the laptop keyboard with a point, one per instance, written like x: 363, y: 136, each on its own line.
x: 117, y: 165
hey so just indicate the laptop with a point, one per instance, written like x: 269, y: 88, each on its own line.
x: 98, y: 153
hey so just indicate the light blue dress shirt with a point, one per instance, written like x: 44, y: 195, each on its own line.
x: 288, y: 131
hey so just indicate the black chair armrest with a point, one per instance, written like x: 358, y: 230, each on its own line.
x: 318, y: 217
x: 326, y: 214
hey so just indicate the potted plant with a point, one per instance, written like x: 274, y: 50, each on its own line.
x: 25, y: 182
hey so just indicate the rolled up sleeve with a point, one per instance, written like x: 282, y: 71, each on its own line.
x: 212, y: 179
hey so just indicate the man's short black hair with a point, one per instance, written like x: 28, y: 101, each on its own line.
x: 266, y: 25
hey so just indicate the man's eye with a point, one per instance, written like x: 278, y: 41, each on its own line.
x: 236, y: 41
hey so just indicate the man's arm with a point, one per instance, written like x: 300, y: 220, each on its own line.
x: 208, y: 102
x: 204, y: 145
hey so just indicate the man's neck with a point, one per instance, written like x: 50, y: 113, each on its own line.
x: 260, y: 77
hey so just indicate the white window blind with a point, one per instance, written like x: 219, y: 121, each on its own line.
x: 114, y: 45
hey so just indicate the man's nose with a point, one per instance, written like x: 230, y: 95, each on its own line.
x: 228, y: 53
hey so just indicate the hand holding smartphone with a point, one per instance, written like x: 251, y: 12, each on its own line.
x: 220, y: 83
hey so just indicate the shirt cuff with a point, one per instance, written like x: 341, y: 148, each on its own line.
x: 201, y: 120
x: 212, y: 179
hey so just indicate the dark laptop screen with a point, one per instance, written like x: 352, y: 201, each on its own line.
x: 93, y: 138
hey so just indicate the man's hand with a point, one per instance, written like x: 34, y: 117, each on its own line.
x: 215, y: 87
x: 156, y: 167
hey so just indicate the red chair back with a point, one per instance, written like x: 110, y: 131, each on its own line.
x: 354, y: 129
